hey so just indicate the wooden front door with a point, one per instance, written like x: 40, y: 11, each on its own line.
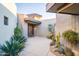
x: 30, y: 30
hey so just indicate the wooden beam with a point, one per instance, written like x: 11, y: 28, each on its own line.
x: 65, y: 7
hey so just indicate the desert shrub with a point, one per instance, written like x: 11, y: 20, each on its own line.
x: 51, y: 36
x: 71, y: 36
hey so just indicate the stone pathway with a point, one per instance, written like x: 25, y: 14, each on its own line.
x: 37, y: 46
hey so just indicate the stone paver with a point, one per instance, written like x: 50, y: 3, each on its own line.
x: 37, y: 46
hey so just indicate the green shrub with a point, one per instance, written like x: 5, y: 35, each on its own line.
x: 71, y: 36
x: 15, y: 45
x: 18, y: 36
x: 17, y: 31
x: 51, y: 36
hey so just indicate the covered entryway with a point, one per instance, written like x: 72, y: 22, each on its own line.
x: 32, y: 24
x: 30, y: 30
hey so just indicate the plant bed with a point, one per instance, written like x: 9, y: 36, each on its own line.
x: 55, y: 51
x: 62, y: 51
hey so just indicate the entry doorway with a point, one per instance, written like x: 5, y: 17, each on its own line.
x: 32, y: 24
x: 31, y: 30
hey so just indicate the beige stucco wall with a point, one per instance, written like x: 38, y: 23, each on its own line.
x: 66, y: 22
x: 42, y: 29
x: 23, y: 25
x: 6, y: 31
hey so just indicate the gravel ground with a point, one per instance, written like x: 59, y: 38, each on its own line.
x: 37, y: 46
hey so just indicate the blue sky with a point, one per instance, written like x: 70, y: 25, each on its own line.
x: 39, y: 8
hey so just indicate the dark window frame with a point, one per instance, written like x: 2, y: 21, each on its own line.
x: 5, y: 20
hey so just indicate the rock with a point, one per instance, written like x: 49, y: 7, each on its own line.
x: 57, y: 51
x: 52, y: 43
x: 60, y: 50
x: 68, y: 52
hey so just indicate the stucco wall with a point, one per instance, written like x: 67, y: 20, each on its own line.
x: 42, y: 29
x: 6, y: 31
x: 23, y: 25
x: 67, y: 22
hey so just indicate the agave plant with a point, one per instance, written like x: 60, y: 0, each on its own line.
x: 12, y: 47
x: 15, y: 45
x: 20, y: 39
x: 18, y: 36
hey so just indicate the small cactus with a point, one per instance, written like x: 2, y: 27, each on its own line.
x: 58, y: 40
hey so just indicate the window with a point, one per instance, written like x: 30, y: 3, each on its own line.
x: 50, y: 28
x: 5, y: 20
